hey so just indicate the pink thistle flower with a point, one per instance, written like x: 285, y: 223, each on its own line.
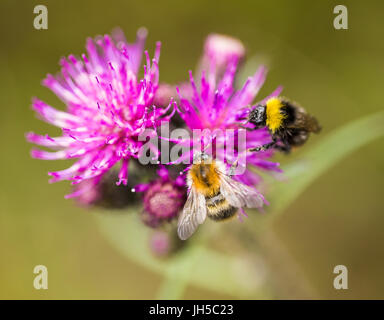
x: 107, y: 107
x: 88, y: 192
x: 217, y: 47
x: 215, y: 104
x: 163, y: 244
x: 163, y: 198
x: 160, y: 243
x: 221, y: 49
x: 165, y: 92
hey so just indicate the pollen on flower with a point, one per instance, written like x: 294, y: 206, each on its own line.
x: 163, y: 198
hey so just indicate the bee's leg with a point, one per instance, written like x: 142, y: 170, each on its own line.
x: 285, y: 146
x: 233, y: 168
x: 246, y: 128
x: 264, y: 146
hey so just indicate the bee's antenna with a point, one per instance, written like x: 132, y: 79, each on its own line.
x: 249, y: 107
x: 242, y: 126
x: 206, y: 147
x: 233, y: 167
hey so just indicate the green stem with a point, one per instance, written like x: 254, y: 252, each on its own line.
x: 317, y: 160
x: 217, y: 271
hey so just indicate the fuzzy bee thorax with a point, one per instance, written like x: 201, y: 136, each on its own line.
x: 275, y: 117
x: 205, y: 178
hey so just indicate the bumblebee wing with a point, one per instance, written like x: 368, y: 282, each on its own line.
x: 194, y: 213
x: 239, y: 195
x: 313, y: 124
x: 306, y: 121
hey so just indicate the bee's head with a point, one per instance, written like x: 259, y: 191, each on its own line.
x: 200, y: 157
x: 257, y: 116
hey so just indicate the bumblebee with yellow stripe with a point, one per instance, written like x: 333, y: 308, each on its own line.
x: 288, y: 123
x: 213, y: 193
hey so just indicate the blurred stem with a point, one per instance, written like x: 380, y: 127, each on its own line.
x: 300, y: 174
x: 317, y: 160
x: 171, y: 289
x: 177, y: 277
x: 204, y: 267
x: 218, y: 271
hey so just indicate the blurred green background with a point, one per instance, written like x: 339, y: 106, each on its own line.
x: 337, y: 75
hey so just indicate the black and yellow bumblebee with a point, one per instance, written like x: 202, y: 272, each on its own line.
x: 213, y: 194
x: 288, y: 123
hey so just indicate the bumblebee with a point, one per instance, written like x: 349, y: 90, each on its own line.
x: 289, y: 124
x: 213, y: 193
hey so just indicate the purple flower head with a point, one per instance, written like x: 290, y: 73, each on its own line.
x: 215, y: 104
x: 164, y: 243
x: 164, y: 93
x: 163, y: 198
x: 88, y: 192
x: 218, y: 48
x: 160, y: 243
x: 107, y: 107
x: 221, y: 49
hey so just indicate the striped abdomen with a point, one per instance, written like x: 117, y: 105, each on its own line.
x: 218, y: 207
